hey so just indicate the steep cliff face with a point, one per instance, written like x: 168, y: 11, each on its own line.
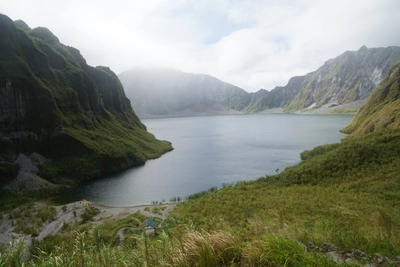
x: 350, y: 77
x: 168, y: 92
x: 382, y: 109
x: 52, y: 102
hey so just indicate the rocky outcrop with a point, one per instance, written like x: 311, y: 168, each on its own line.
x: 27, y: 178
x: 352, y: 76
x: 355, y: 257
x: 382, y: 109
x: 348, y: 78
x: 53, y: 103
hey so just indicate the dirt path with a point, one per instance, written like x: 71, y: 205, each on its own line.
x: 70, y: 214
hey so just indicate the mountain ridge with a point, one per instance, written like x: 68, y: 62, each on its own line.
x: 347, y: 79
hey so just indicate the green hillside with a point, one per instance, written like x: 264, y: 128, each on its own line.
x: 55, y: 104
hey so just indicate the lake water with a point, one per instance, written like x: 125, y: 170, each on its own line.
x: 209, y: 151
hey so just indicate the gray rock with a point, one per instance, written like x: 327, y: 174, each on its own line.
x: 358, y: 254
x: 350, y: 261
x: 328, y: 247
x: 312, y: 246
x: 379, y: 258
x: 31, y: 181
x: 335, y: 257
x: 25, y: 164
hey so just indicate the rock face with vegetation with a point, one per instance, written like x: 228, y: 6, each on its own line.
x: 348, y: 78
x: 169, y: 92
x: 53, y: 103
x: 382, y: 109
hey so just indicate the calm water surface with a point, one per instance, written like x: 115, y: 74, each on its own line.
x: 210, y: 151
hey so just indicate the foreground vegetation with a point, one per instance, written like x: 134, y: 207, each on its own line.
x: 178, y: 244
x: 347, y: 194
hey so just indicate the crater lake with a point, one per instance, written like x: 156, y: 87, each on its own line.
x: 210, y: 151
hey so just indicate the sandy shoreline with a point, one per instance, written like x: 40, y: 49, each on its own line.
x: 70, y: 213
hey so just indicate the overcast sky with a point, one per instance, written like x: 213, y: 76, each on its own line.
x: 252, y: 44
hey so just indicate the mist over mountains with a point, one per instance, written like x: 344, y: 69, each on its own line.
x: 170, y: 92
x: 347, y: 79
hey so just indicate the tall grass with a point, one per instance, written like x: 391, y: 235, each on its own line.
x: 195, y: 248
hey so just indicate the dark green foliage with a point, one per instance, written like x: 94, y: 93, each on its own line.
x: 7, y: 172
x: 80, y: 167
x: 11, y: 199
x: 88, y: 213
x: 201, y: 193
x: 320, y: 150
x: 48, y: 171
x: 74, y: 114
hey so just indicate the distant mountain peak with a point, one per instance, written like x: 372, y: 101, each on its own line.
x: 22, y: 25
x: 363, y: 48
x: 45, y: 35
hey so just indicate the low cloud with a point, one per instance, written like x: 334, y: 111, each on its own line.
x: 252, y: 44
